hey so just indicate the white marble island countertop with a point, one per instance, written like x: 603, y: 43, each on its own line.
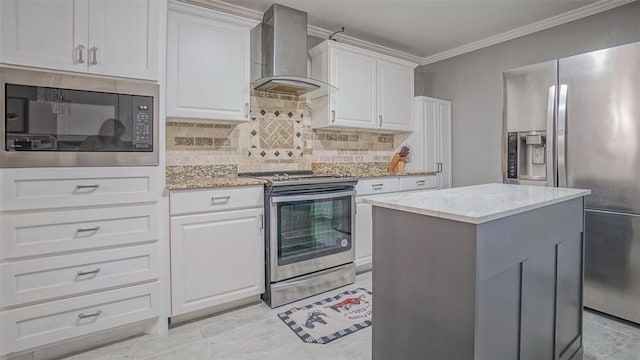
x: 478, y: 203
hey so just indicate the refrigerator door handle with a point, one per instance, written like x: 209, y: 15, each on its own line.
x: 551, y: 180
x: 562, y: 136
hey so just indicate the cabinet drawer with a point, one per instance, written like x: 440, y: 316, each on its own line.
x: 25, y: 189
x: 37, y: 325
x: 417, y: 182
x: 41, y: 233
x: 195, y: 201
x: 47, y: 278
x: 377, y: 186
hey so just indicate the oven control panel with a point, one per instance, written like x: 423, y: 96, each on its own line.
x: 143, y: 123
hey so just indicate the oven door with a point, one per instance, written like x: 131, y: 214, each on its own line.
x: 311, y: 232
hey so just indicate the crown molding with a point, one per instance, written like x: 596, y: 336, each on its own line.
x: 311, y: 30
x: 346, y: 39
x: 564, y: 18
x: 588, y: 10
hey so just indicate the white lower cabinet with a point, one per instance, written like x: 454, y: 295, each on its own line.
x: 216, y: 258
x: 364, y: 235
x: 364, y: 211
x: 80, y: 252
x: 43, y: 324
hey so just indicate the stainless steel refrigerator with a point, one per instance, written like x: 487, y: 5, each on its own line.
x: 575, y: 122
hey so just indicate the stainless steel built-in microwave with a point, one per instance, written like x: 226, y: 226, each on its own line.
x: 53, y: 119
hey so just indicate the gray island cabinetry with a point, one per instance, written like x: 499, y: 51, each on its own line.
x: 491, y: 272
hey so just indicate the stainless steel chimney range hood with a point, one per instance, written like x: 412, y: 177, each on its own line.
x: 279, y: 55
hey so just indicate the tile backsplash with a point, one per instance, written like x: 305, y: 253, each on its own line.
x: 278, y: 137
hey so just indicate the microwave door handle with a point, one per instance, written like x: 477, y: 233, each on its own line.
x: 562, y: 136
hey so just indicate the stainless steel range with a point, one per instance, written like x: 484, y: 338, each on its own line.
x: 309, y: 234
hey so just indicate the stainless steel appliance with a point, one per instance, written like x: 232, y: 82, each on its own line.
x: 310, y: 222
x: 584, y: 112
x: 279, y: 55
x: 53, y: 119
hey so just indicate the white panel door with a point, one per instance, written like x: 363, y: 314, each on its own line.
x: 123, y: 38
x: 207, y: 68
x: 364, y: 234
x: 444, y: 143
x: 216, y: 258
x: 45, y: 33
x: 354, y: 104
x: 395, y: 96
x: 430, y: 133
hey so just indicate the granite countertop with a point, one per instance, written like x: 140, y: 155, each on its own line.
x: 214, y: 182
x: 206, y: 177
x: 375, y: 175
x: 476, y: 204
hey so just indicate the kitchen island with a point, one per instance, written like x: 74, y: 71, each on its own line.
x: 491, y: 271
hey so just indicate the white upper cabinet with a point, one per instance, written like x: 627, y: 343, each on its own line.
x: 208, y: 64
x: 109, y: 37
x: 375, y: 91
x: 123, y: 38
x: 50, y: 34
x: 355, y: 75
x: 395, y: 96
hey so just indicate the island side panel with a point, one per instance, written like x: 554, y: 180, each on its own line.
x: 424, y: 285
x: 545, y: 246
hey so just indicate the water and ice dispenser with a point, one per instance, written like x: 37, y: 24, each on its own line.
x: 527, y: 155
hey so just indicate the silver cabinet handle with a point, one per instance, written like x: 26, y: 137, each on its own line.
x: 80, y: 49
x: 333, y: 116
x: 261, y: 221
x: 377, y: 186
x: 83, y: 273
x: 220, y: 199
x: 90, y: 186
x: 421, y: 182
x: 246, y: 110
x: 95, y: 228
x: 439, y: 167
x: 93, y: 53
x: 379, y: 120
x: 95, y: 314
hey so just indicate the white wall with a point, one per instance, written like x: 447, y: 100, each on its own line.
x: 473, y: 82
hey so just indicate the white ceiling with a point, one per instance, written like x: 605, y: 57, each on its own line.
x: 423, y: 27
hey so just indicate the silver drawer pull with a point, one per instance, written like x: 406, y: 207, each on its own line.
x: 95, y: 228
x: 84, y: 316
x: 421, y: 182
x: 90, y: 186
x: 220, y: 199
x: 377, y: 186
x: 83, y: 273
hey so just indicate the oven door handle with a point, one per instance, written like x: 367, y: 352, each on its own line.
x: 294, y: 198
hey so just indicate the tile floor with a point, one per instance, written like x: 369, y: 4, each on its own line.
x: 255, y: 332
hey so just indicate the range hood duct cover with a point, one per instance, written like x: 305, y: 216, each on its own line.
x: 279, y: 55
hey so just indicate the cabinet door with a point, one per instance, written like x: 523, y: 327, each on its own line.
x: 354, y: 104
x: 123, y: 38
x: 443, y: 141
x: 216, y: 258
x: 429, y: 121
x: 364, y: 235
x: 395, y: 96
x: 207, y: 68
x: 44, y: 33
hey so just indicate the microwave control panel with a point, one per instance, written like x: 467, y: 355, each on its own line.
x: 512, y: 155
x: 143, y: 123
